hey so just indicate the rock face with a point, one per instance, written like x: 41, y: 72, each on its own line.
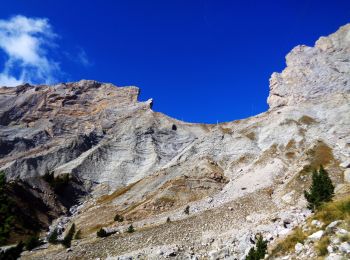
x: 314, y: 72
x: 235, y: 179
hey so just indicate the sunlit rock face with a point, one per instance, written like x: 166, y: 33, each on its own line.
x: 238, y: 178
x: 314, y: 73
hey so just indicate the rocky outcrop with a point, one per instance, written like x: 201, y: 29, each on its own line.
x: 314, y: 73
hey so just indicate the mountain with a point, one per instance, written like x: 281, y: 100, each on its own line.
x: 83, y: 152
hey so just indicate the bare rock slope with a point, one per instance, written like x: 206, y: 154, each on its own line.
x: 119, y: 156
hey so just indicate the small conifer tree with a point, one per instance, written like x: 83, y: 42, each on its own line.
x: 131, y: 229
x: 68, y: 238
x: 118, y: 218
x: 187, y: 210
x: 258, y: 252
x: 77, y: 235
x: 53, y: 237
x: 102, y: 233
x: 321, y: 190
x: 32, y: 242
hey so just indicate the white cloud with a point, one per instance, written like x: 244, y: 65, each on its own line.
x: 26, y: 42
x: 83, y: 58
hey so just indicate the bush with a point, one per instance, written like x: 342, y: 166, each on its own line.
x: 32, y: 242
x: 187, y: 210
x: 118, y: 218
x: 77, y: 235
x: 260, y: 251
x: 13, y: 253
x: 102, y: 233
x: 57, y: 183
x: 131, y: 229
x: 68, y: 238
x: 53, y: 237
x: 321, y: 190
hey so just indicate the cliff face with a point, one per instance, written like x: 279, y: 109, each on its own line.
x: 314, y: 73
x: 116, y: 155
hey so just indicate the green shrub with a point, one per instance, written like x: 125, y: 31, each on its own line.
x: 259, y: 251
x: 118, y: 218
x: 187, y: 210
x: 131, y: 229
x: 68, y: 238
x: 102, y: 233
x: 53, y: 237
x: 57, y: 183
x: 32, y: 242
x: 77, y: 235
x: 321, y: 190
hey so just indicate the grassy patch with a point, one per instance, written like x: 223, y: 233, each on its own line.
x: 334, y: 210
x: 320, y: 154
x: 288, y: 244
x: 321, y: 246
x: 251, y: 136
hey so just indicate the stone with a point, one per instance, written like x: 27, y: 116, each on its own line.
x: 298, y: 248
x: 347, y: 175
x: 316, y: 223
x: 334, y: 256
x: 345, y: 164
x: 331, y: 226
x: 345, y: 247
x: 316, y: 236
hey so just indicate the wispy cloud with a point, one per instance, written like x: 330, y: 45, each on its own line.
x: 26, y: 42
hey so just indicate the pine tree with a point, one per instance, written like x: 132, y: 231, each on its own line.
x: 131, y: 229
x: 102, y: 233
x: 53, y: 237
x: 260, y: 251
x: 7, y: 217
x: 321, y: 190
x: 68, y: 238
x: 32, y: 242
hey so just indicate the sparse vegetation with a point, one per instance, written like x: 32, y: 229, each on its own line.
x: 131, y: 229
x: 187, y: 210
x: 6, y: 215
x: 32, y: 242
x: 334, y: 210
x: 102, y: 233
x: 286, y: 245
x: 57, y: 183
x: 321, y: 190
x: 118, y: 218
x: 77, y: 235
x: 321, y: 246
x: 68, y: 238
x: 53, y: 237
x: 258, y: 252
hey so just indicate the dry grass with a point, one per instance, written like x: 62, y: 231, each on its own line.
x: 251, y: 136
x: 117, y: 193
x: 226, y: 130
x: 320, y: 154
x: 288, y: 244
x: 306, y: 120
x: 321, y: 246
x: 334, y: 210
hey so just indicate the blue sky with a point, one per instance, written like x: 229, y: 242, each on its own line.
x: 201, y: 61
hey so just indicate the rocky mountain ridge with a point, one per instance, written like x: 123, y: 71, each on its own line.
x: 117, y: 155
